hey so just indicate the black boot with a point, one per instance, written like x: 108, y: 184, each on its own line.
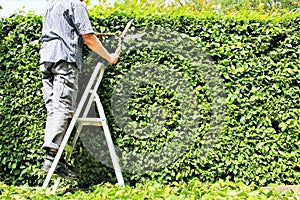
x: 62, y: 168
x: 65, y: 171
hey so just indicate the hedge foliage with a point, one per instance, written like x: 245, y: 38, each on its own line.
x: 256, y: 58
x: 152, y: 190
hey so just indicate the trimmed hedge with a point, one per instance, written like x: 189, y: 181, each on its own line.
x: 258, y: 60
x: 152, y: 190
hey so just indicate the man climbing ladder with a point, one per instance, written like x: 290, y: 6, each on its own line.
x: 65, y: 26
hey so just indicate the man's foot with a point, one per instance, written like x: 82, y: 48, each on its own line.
x: 62, y: 169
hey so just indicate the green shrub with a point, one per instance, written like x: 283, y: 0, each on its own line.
x: 258, y: 60
x: 152, y: 190
x: 22, y: 111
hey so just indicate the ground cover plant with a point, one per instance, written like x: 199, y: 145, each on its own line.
x: 256, y: 57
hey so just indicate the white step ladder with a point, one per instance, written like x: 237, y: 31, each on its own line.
x: 90, y: 95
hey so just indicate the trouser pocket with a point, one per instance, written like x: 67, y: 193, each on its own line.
x: 65, y: 89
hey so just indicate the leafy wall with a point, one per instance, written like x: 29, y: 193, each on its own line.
x: 257, y: 60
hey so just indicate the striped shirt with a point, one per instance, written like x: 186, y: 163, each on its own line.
x: 63, y: 24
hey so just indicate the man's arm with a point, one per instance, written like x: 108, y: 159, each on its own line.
x: 95, y: 45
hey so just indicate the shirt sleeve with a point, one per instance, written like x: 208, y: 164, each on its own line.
x: 81, y: 19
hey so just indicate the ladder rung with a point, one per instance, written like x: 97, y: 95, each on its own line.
x: 90, y: 121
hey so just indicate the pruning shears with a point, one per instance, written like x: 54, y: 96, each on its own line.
x: 122, y: 37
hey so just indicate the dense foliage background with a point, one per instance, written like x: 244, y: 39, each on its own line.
x: 257, y: 58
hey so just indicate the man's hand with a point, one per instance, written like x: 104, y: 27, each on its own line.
x: 113, y: 59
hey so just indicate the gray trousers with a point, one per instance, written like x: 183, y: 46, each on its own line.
x: 60, y: 86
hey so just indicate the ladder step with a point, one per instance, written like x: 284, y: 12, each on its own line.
x: 90, y: 121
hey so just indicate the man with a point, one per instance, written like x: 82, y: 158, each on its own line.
x: 66, y: 26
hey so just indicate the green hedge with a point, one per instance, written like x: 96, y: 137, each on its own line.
x: 257, y: 58
x: 152, y: 190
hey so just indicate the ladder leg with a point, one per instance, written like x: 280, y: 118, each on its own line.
x: 113, y: 155
x: 109, y: 141
x: 55, y: 186
x: 69, y: 153
x: 59, y: 153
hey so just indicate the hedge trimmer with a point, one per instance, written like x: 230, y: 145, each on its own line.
x: 122, y: 37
